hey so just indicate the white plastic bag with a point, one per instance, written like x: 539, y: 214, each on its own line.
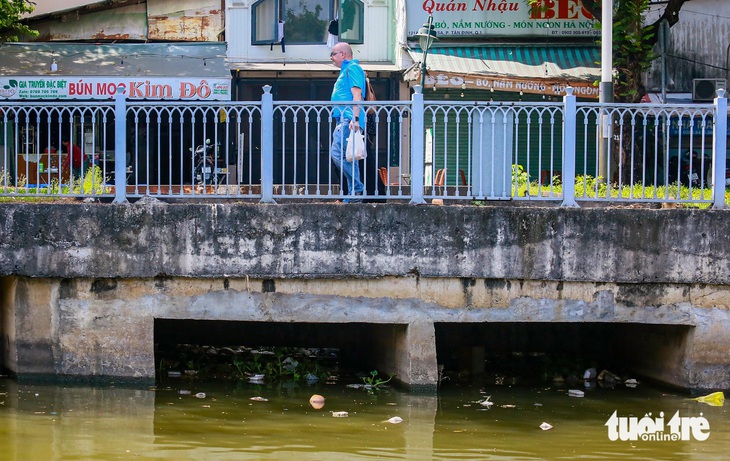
x: 355, y: 146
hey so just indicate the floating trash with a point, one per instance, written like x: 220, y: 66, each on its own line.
x: 340, y: 414
x: 545, y: 426
x: 631, y: 382
x: 576, y: 393
x: 317, y: 401
x: 259, y: 399
x: 486, y: 402
x: 395, y: 420
x: 200, y: 395
x: 256, y: 379
x: 184, y: 392
x: 608, y: 378
x: 716, y: 399
x: 174, y: 374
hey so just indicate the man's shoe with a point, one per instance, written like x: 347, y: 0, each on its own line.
x: 355, y: 198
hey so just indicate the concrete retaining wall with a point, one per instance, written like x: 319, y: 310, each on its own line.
x: 315, y: 241
x: 83, y: 283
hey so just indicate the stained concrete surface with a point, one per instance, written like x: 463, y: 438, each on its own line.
x: 88, y: 280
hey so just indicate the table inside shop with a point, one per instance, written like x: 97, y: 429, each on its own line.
x: 29, y: 167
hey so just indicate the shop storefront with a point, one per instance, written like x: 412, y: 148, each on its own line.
x: 506, y: 51
x: 80, y: 74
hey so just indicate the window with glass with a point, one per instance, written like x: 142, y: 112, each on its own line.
x: 304, y: 22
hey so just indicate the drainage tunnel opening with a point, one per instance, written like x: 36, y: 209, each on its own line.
x: 281, y: 351
x: 7, y: 331
x: 537, y: 353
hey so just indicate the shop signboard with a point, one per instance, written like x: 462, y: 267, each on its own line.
x: 690, y: 126
x: 135, y: 88
x: 547, y: 87
x: 694, y: 126
x: 503, y: 18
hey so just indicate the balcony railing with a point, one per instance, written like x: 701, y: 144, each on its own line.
x: 418, y: 151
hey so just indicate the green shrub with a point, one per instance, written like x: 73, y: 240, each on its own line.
x: 93, y: 182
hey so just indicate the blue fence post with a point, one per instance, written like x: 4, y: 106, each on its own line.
x: 417, y: 142
x: 719, y: 151
x: 267, y: 146
x: 569, y: 149
x: 120, y: 147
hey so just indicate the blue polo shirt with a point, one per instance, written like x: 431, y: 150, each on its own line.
x: 351, y: 75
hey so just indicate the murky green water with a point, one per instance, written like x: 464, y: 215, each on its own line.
x: 45, y: 422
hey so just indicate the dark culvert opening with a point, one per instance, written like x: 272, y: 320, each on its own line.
x: 539, y: 353
x: 216, y: 349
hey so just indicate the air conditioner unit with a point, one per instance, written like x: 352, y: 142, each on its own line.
x: 705, y: 89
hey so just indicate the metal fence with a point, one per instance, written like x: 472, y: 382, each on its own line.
x: 418, y: 151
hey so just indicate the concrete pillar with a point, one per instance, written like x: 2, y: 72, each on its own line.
x: 27, y: 326
x: 705, y: 363
x: 7, y: 324
x: 415, y: 356
x: 104, y: 332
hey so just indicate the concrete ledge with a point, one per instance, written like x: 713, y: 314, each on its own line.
x: 364, y: 241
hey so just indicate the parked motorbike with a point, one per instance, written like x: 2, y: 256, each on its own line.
x: 691, y: 168
x: 209, y: 167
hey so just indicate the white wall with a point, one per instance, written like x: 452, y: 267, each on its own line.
x: 699, y: 46
x: 378, y: 46
x: 53, y: 6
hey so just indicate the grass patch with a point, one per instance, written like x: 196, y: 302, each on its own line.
x: 92, y: 184
x: 588, y: 187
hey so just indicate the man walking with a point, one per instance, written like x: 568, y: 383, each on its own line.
x: 350, y: 86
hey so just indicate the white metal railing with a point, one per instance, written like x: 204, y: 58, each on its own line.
x: 31, y: 136
x: 566, y: 152
x: 184, y: 150
x: 661, y: 145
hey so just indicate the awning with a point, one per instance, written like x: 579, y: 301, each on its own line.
x: 531, y: 69
x: 671, y: 98
x: 190, y: 71
x: 304, y: 66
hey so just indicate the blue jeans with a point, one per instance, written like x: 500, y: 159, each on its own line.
x: 351, y: 170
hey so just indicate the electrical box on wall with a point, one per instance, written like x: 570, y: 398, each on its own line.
x: 705, y: 89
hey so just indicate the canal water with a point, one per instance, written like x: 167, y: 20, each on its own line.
x: 198, y: 420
